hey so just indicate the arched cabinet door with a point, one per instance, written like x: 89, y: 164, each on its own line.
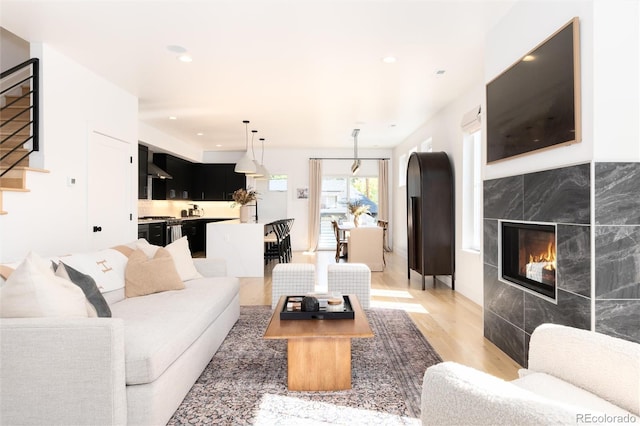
x: 430, y: 216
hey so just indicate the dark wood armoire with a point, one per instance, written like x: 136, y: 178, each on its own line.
x: 430, y: 216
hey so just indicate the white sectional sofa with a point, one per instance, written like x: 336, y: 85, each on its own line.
x: 133, y: 368
x: 573, y: 377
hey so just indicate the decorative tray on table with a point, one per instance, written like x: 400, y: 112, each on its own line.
x: 292, y: 310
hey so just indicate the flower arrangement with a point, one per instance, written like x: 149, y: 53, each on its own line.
x: 356, y: 208
x: 242, y: 196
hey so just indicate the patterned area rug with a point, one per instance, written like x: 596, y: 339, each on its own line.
x: 246, y: 381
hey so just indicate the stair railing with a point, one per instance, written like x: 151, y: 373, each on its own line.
x: 32, y: 81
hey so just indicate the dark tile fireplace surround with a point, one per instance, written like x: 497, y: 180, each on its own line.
x: 563, y: 197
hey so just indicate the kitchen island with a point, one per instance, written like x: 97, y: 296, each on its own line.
x: 240, y: 244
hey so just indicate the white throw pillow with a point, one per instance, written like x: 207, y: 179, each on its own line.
x: 180, y: 253
x: 106, y: 267
x: 33, y: 291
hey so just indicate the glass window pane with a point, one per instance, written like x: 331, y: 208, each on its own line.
x: 337, y: 192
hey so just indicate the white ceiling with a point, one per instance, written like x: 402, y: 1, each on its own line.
x: 304, y: 72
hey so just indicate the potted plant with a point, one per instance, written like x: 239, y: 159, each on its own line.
x: 243, y: 197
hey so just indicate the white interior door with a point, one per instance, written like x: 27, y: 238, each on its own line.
x: 109, y: 191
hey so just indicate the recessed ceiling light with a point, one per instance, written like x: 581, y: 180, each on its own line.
x: 440, y: 72
x: 389, y: 59
x: 218, y: 145
x: 528, y: 58
x: 199, y: 133
x: 185, y: 58
x: 173, y: 117
x: 176, y: 49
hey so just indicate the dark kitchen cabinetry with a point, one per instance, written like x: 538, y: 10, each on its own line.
x: 152, y: 232
x: 157, y: 234
x: 216, y: 182
x: 190, y: 229
x: 143, y: 231
x: 143, y: 160
x: 196, y: 232
x: 178, y: 188
x: 430, y: 216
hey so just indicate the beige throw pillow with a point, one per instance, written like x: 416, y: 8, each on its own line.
x: 180, y: 253
x: 146, y: 276
x: 33, y: 291
x: 5, y: 272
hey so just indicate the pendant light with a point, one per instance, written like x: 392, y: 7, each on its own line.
x: 356, y: 162
x: 261, y: 168
x: 256, y: 174
x: 246, y: 164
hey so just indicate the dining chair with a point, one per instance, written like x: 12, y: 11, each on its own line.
x: 341, y: 241
x: 366, y: 246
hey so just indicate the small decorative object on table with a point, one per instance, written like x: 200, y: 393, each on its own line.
x: 334, y: 307
x: 310, y: 304
x: 335, y: 304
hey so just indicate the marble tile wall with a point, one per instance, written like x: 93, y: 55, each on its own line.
x: 617, y: 249
x: 561, y: 196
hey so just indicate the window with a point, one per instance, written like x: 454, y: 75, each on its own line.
x: 471, y: 191
x: 337, y: 192
x: 427, y: 146
x: 402, y: 167
x: 278, y: 183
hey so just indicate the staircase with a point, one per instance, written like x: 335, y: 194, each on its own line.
x: 18, y: 126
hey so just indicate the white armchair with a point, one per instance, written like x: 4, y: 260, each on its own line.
x: 350, y: 278
x: 292, y: 279
x: 574, y: 376
x: 366, y: 245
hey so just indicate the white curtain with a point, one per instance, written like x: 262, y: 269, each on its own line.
x: 383, y: 199
x: 315, y: 192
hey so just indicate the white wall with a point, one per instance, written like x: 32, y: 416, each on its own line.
x: 295, y: 164
x: 526, y: 25
x: 610, y: 105
x: 52, y: 218
x: 13, y: 50
x: 616, y: 80
x: 444, y: 128
x: 162, y: 142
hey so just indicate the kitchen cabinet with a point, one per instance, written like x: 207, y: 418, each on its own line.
x: 143, y: 160
x: 216, y: 182
x: 196, y: 232
x: 190, y: 230
x: 178, y: 188
x: 152, y: 232
x: 143, y: 231
x: 157, y: 234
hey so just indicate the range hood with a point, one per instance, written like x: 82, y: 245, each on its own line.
x: 156, y: 172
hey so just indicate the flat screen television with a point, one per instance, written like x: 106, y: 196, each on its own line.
x: 535, y: 103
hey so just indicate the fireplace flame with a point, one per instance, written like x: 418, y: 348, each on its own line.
x: 548, y: 258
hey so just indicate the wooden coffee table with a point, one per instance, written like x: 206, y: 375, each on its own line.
x: 319, y: 350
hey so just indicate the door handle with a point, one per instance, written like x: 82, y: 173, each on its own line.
x: 97, y: 229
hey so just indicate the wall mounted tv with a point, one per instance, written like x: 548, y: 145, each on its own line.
x: 535, y: 104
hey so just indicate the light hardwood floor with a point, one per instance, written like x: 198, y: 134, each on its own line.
x: 450, y: 322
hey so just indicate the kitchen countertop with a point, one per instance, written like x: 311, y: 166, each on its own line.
x: 143, y: 221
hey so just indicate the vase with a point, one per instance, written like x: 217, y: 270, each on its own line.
x: 356, y: 221
x: 245, y: 213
